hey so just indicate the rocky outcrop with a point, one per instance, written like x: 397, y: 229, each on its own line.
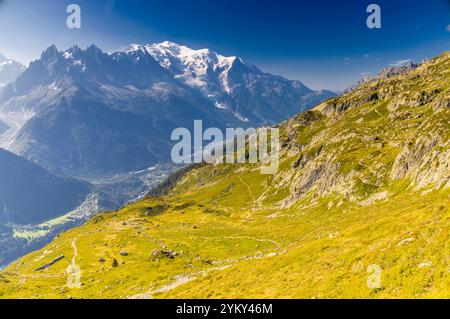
x: 426, y: 161
x: 392, y: 128
x: 442, y: 102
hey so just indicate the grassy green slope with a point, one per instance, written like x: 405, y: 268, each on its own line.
x: 363, y: 180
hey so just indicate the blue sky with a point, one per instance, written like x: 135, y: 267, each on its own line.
x: 325, y: 44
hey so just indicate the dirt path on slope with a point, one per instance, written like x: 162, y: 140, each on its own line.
x: 75, y: 251
x: 248, y: 189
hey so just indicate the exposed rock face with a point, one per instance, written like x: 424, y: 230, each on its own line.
x: 393, y: 128
x: 426, y: 161
x: 442, y: 102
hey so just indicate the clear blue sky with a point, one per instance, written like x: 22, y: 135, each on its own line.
x: 325, y: 44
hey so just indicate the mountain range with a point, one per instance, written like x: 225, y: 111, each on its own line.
x: 92, y: 129
x: 359, y: 208
x: 89, y: 113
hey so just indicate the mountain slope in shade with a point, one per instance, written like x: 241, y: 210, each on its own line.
x: 30, y: 195
x: 9, y: 70
x: 363, y: 189
x: 36, y: 205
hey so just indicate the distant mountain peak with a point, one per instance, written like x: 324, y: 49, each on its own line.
x: 9, y: 70
x: 93, y: 49
x: 397, y: 69
x: 387, y: 72
x: 50, y: 52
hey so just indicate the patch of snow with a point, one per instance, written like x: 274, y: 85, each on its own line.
x: 67, y: 55
x: 220, y: 106
x: 241, y: 117
x: 53, y: 86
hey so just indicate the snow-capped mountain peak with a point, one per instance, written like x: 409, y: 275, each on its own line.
x: 201, y: 69
x: 228, y: 82
x: 182, y: 59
